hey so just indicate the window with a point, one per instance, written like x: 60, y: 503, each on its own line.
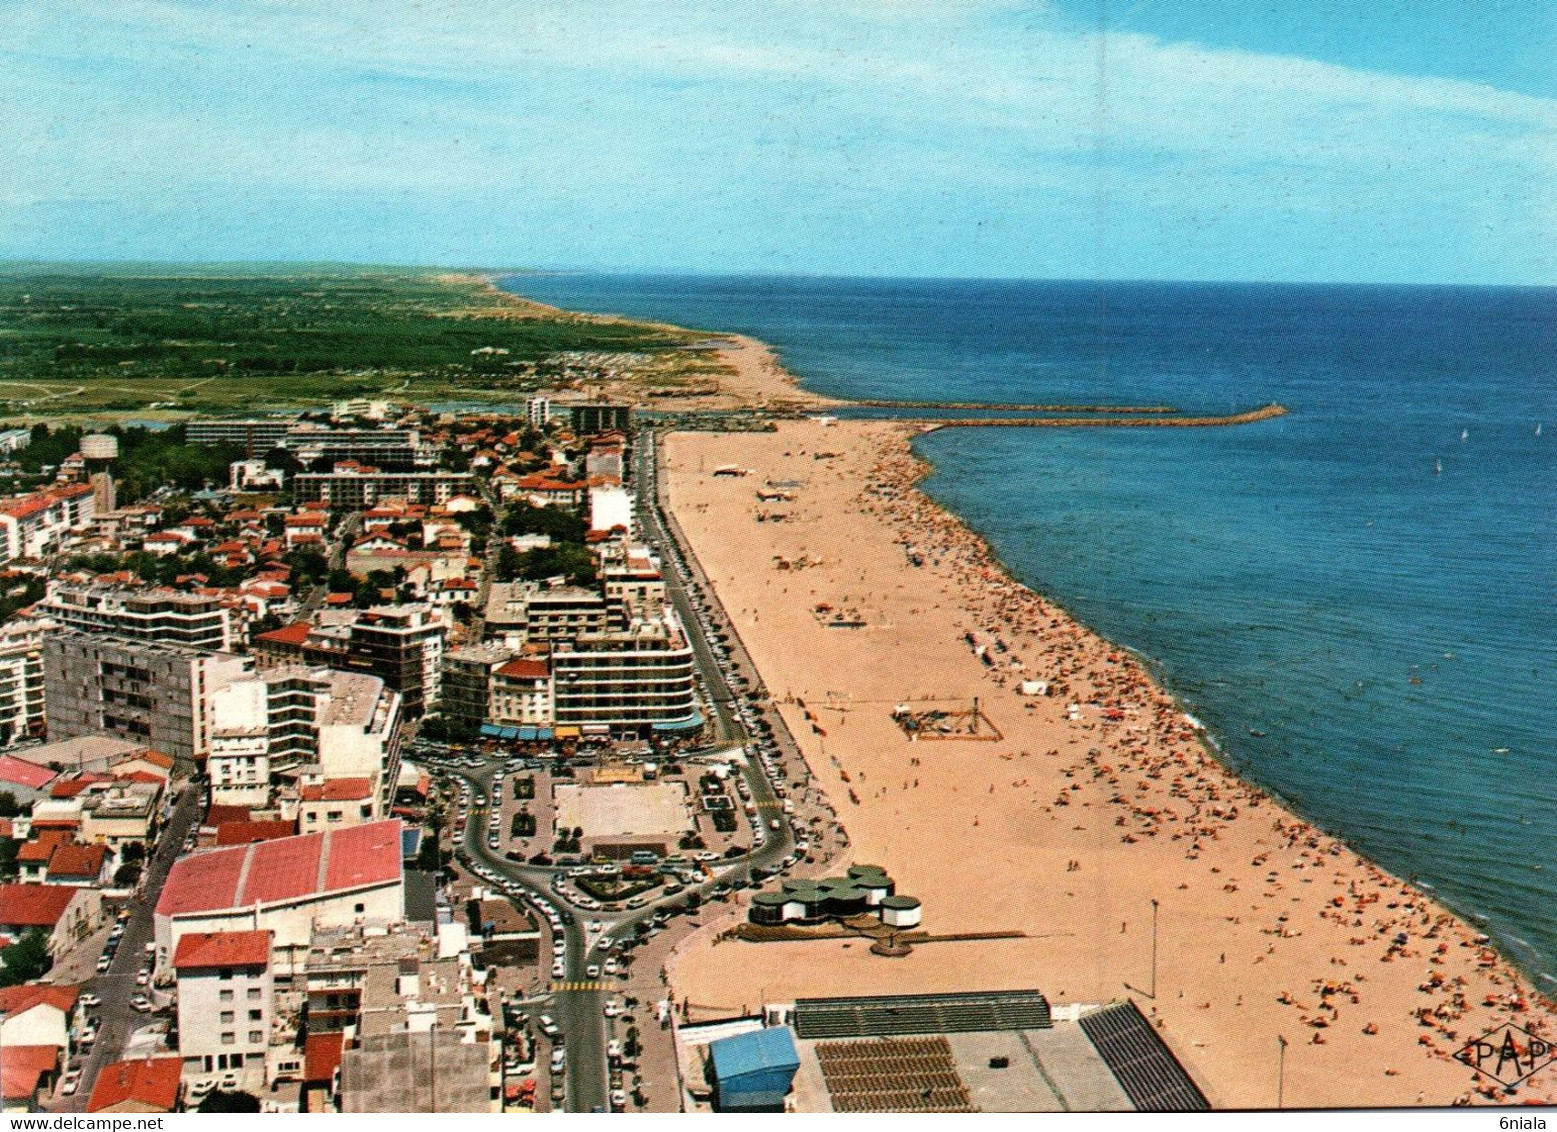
x: 227, y: 1016
x: 226, y: 974
x: 359, y: 907
x: 256, y: 1037
x: 256, y: 1015
x: 229, y: 1038
x: 254, y: 994
x: 226, y: 996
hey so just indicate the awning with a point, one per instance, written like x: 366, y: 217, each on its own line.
x: 691, y: 723
x: 491, y: 731
x: 543, y: 733
x: 567, y: 731
x: 527, y: 734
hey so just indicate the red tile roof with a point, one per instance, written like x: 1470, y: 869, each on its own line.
x: 20, y: 772
x: 364, y: 854
x: 22, y: 1067
x: 339, y: 790
x: 75, y: 861
x: 221, y: 815
x: 17, y: 1000
x: 322, y: 1057
x: 525, y: 669
x: 34, y: 905
x: 294, y: 634
x: 246, y: 832
x: 151, y: 1083
x: 289, y: 868
x: 200, y: 950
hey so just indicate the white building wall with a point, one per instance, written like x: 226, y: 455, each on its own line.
x: 216, y: 1015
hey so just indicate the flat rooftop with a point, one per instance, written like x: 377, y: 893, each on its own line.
x: 628, y: 809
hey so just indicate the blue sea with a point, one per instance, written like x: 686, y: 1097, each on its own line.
x: 1357, y: 599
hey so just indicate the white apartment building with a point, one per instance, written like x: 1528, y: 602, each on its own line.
x: 347, y: 724
x: 226, y: 998
x: 142, y: 614
x: 36, y: 525
x: 21, y: 680
x: 610, y: 506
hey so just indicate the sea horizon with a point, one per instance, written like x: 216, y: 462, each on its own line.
x: 1357, y: 706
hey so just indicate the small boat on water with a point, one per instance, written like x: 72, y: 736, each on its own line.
x: 1256, y: 732
x: 1464, y: 435
x: 1437, y: 467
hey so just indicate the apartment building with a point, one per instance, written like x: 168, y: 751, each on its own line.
x: 226, y: 998
x: 629, y: 681
x: 148, y: 692
x: 21, y: 680
x: 142, y: 613
x: 338, y: 725
x: 356, y: 487
x: 402, y: 645
x: 36, y: 525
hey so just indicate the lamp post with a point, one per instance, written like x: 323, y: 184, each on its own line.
x: 1281, y: 1069
x: 1154, y: 951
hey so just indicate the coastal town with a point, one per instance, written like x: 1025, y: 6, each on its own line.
x: 600, y: 755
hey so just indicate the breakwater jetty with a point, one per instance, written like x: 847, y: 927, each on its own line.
x: 1013, y: 407
x: 1264, y: 413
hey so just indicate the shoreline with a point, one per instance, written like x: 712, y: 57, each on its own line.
x: 700, y: 974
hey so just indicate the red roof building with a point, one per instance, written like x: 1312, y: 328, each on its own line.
x: 19, y: 1000
x: 199, y: 951
x: 314, y: 875
x: 25, y: 1071
x: 36, y: 905
x: 74, y: 863
x: 322, y: 1057
x: 339, y: 790
x: 149, y: 1085
x: 20, y: 772
x: 248, y: 832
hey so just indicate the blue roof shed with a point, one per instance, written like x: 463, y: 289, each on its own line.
x: 753, y: 1072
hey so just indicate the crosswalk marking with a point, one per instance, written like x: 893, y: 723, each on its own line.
x: 578, y: 985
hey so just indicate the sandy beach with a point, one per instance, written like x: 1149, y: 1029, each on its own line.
x: 1097, y: 801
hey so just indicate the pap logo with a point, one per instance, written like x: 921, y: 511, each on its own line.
x: 1508, y: 1055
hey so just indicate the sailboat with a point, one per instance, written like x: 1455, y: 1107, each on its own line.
x: 1437, y: 467
x: 1464, y: 435
x: 1538, y: 430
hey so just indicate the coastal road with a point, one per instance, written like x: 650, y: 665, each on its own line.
x: 116, y: 1018
x: 579, y: 1013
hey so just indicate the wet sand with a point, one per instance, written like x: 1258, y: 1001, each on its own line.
x: 1070, y: 826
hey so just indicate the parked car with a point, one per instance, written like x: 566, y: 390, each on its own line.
x: 140, y: 1002
x: 70, y: 1082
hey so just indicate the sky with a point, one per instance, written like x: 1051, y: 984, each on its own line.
x: 1405, y: 141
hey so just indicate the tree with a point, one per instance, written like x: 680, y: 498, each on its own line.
x: 218, y: 1101
x: 26, y: 959
x: 9, y: 807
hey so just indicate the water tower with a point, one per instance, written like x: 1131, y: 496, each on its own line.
x: 100, y: 450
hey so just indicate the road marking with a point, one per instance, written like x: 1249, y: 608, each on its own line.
x: 576, y: 985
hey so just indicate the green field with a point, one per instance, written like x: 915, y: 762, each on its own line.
x: 166, y: 342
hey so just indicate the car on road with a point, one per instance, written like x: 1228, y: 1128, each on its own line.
x: 614, y: 1050
x: 592, y: 971
x: 104, y: 962
x: 201, y: 1087
x: 612, y: 1008
x: 559, y: 1058
x: 618, y: 1100
x: 559, y: 970
x: 230, y: 1081
x: 70, y: 1082
x: 610, y: 966
x: 548, y: 1025
x: 143, y: 977
x: 140, y: 1002
x: 90, y: 1001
